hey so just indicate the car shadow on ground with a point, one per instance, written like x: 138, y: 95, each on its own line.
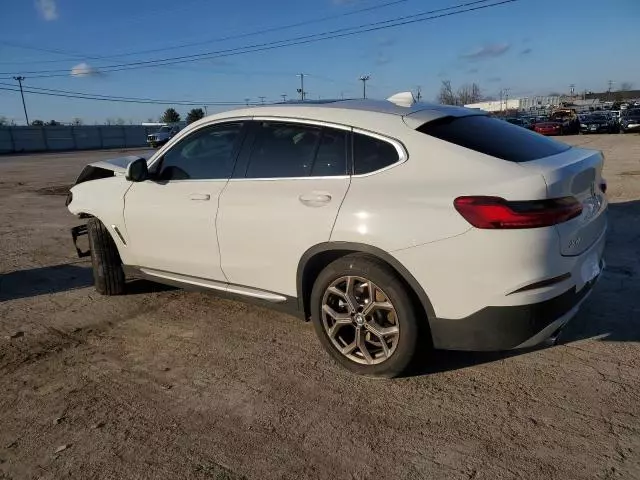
x: 611, y: 314
x: 44, y: 280
x: 61, y: 278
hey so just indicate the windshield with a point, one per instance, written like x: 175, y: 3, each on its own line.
x: 599, y: 118
x: 633, y: 113
x: 164, y: 129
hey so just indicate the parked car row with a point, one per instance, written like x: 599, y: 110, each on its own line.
x: 566, y: 122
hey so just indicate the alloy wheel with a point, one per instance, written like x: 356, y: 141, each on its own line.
x: 360, y: 320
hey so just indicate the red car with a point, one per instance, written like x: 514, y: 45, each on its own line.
x: 548, y: 128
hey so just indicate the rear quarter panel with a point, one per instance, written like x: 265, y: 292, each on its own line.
x: 411, y: 204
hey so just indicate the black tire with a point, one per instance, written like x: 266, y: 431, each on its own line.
x: 382, y: 275
x: 108, y: 275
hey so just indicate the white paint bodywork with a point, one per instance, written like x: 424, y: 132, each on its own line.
x: 251, y: 233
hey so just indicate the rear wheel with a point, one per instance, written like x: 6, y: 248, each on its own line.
x: 108, y: 275
x: 363, y: 316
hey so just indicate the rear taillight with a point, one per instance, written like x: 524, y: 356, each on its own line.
x: 498, y: 213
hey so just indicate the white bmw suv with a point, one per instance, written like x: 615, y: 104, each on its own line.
x: 394, y: 226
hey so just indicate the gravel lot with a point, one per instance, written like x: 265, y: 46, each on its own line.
x: 162, y: 383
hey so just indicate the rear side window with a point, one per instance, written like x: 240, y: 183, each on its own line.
x: 493, y: 137
x: 371, y: 154
x: 331, y: 158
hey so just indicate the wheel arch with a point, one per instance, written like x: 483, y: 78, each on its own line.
x: 319, y: 256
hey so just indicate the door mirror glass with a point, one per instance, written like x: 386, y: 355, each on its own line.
x: 137, y: 170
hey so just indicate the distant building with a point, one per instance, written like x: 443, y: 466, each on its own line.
x: 539, y: 101
x: 496, y: 105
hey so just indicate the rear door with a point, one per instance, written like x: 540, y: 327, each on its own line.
x: 287, y: 189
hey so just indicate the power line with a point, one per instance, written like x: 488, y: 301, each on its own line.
x: 339, y: 33
x: 124, y: 100
x: 204, y: 42
x: 109, y: 97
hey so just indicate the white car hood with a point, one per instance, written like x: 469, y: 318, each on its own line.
x: 116, y: 165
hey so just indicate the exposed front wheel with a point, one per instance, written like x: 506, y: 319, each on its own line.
x: 108, y: 275
x: 364, y: 317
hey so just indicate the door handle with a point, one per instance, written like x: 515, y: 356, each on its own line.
x: 200, y: 196
x: 315, y: 199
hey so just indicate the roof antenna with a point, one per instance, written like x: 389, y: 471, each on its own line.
x: 402, y: 99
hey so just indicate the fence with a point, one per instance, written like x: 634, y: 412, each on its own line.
x: 41, y: 139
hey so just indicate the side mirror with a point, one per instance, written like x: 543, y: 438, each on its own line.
x: 137, y: 171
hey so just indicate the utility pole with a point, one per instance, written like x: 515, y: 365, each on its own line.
x: 262, y: 100
x: 206, y: 112
x: 572, y: 89
x: 284, y: 97
x: 418, y: 93
x: 301, y: 89
x: 24, y: 105
x: 506, y: 99
x: 364, y: 79
x: 246, y: 101
x: 609, y: 91
x: 501, y: 93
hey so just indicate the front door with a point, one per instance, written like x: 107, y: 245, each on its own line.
x: 170, y: 219
x: 284, y: 198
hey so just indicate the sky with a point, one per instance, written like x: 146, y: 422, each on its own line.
x: 528, y: 46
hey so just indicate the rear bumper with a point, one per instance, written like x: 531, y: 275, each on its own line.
x: 509, y: 327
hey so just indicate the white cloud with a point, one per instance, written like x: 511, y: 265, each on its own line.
x: 83, y: 70
x: 48, y: 9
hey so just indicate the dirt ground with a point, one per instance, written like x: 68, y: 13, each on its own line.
x: 162, y: 383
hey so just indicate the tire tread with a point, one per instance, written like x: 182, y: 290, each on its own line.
x: 108, y: 274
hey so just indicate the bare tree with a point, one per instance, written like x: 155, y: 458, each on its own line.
x: 466, y: 94
x: 469, y: 93
x: 120, y: 121
x: 77, y: 122
x: 626, y: 86
x: 446, y: 95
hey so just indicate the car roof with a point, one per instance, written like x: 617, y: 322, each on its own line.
x: 364, y: 112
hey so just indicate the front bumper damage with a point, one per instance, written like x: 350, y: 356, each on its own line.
x: 77, y: 232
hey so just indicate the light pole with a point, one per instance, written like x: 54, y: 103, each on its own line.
x: 246, y: 101
x: 206, y: 112
x: 301, y: 89
x: 284, y: 97
x: 364, y: 79
x: 262, y: 99
x: 24, y: 105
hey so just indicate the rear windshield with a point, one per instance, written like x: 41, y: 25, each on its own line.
x: 493, y: 137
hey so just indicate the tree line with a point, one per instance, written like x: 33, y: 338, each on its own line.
x: 170, y: 115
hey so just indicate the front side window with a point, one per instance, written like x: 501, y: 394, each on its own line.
x: 371, y: 154
x: 283, y: 150
x: 205, y: 154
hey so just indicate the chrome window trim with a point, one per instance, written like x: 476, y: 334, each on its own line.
x: 185, y: 132
x: 305, y: 121
x: 403, y: 156
x: 267, y: 179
